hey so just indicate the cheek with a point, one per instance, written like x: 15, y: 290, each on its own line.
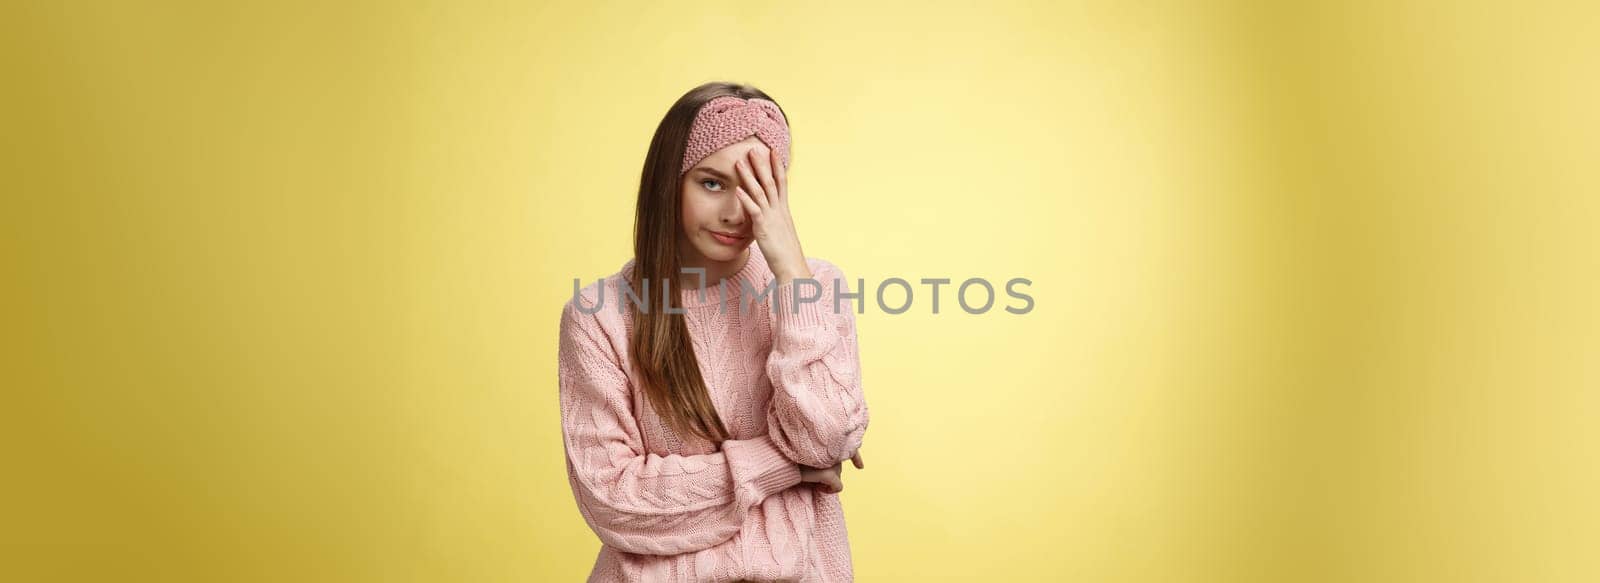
x: 699, y: 208
x: 695, y: 211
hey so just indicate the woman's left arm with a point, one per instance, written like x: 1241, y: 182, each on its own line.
x: 818, y: 413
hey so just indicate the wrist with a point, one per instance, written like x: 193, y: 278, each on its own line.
x: 790, y: 272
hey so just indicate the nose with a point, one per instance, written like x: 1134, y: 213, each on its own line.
x: 732, y: 212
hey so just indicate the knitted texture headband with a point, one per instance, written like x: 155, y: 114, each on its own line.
x: 728, y: 119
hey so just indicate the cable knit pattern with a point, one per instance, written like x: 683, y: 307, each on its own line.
x: 728, y: 119
x: 787, y: 385
x: 818, y: 415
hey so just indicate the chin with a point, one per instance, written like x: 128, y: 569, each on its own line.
x: 711, y: 249
x: 719, y: 252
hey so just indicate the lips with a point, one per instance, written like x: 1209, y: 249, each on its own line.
x: 727, y: 238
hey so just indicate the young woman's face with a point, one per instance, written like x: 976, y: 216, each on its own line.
x: 711, y: 208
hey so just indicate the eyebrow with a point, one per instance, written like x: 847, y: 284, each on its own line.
x: 714, y: 172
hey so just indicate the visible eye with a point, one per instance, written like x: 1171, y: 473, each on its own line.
x: 705, y: 181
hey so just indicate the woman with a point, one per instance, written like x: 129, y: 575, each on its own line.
x: 705, y: 437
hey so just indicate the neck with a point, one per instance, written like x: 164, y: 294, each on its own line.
x: 716, y: 271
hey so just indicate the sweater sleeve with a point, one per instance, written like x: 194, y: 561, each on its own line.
x: 641, y: 502
x: 818, y: 413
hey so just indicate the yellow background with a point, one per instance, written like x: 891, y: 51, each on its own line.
x: 1315, y: 284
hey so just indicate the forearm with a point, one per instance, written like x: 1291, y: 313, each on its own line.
x: 818, y: 412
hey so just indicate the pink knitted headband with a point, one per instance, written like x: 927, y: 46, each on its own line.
x: 728, y: 119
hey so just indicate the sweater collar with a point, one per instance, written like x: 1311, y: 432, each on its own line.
x: 755, y: 274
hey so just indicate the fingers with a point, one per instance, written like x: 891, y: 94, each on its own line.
x: 780, y: 175
x: 748, y: 203
x: 747, y: 178
x: 762, y: 164
x: 831, y: 484
x: 855, y: 458
x: 826, y: 479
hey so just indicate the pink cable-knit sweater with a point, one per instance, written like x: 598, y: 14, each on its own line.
x: 787, y: 386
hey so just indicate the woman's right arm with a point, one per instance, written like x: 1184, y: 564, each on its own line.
x: 637, y: 501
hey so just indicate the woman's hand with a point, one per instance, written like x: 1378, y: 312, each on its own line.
x: 826, y: 479
x: 829, y: 479
x: 764, y: 192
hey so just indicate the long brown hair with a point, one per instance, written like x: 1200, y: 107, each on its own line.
x: 660, y: 341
